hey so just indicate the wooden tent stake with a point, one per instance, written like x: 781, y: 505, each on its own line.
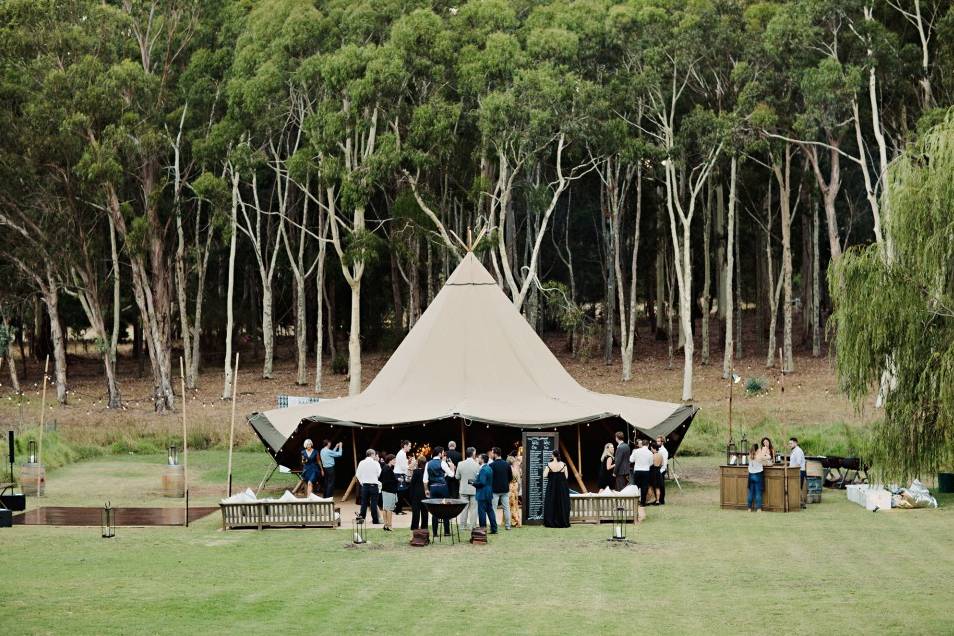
x: 39, y: 455
x: 569, y: 462
x: 354, y: 445
x: 232, y: 426
x: 185, y: 443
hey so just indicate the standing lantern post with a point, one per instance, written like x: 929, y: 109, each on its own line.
x: 108, y: 523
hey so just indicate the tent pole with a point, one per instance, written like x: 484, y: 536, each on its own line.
x: 569, y: 462
x: 463, y: 438
x: 185, y: 443
x: 232, y: 425
x: 354, y: 451
x: 579, y: 450
x: 39, y: 454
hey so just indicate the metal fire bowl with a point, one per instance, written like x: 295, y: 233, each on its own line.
x: 445, y: 508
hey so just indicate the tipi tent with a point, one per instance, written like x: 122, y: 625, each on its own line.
x: 471, y: 357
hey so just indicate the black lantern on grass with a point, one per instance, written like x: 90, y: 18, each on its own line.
x: 358, y: 535
x: 31, y: 452
x: 619, y: 525
x: 108, y: 524
x: 173, y: 455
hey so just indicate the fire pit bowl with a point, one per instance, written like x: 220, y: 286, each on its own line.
x: 445, y: 508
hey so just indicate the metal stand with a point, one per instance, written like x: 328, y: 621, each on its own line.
x: 268, y: 475
x: 454, y: 528
x: 672, y: 472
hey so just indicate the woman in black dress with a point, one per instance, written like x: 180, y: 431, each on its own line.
x: 416, y: 494
x: 655, y: 476
x: 556, y: 504
x: 606, y: 479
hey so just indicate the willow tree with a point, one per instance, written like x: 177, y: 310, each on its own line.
x: 915, y: 287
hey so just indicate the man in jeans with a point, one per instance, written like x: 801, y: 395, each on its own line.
x: 328, y: 456
x: 369, y: 470
x: 466, y: 473
x: 485, y: 486
x: 502, y: 474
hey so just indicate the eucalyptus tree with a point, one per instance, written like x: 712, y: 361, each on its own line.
x: 667, y: 52
x: 354, y: 84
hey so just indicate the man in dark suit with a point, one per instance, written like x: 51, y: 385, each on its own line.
x: 621, y: 472
x: 502, y: 473
x: 453, y: 457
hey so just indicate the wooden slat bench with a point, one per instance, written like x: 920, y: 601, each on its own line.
x: 267, y: 514
x: 597, y: 508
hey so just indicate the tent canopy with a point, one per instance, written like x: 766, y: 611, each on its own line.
x: 471, y: 356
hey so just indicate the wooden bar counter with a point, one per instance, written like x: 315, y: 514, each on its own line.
x: 734, y: 488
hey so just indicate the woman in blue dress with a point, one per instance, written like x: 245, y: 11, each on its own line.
x: 310, y: 470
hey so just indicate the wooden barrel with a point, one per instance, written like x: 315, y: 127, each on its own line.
x: 173, y: 481
x: 814, y: 484
x: 29, y: 473
x: 814, y: 468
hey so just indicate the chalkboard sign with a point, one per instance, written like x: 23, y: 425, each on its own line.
x: 537, y: 453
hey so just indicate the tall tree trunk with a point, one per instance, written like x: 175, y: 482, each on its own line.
x: 707, y: 273
x: 230, y: 294
x: 51, y: 299
x: 829, y: 189
x: 783, y: 174
x: 816, y: 284
x: 14, y: 378
x: 114, y: 253
x: 728, y: 268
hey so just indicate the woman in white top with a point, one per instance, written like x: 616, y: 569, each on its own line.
x: 756, y: 480
x: 642, y: 460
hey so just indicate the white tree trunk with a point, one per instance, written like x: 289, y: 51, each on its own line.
x: 816, y: 285
x: 230, y: 293
x: 354, y: 340
x: 50, y: 294
x: 729, y: 271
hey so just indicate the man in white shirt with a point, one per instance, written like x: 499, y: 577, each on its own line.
x: 467, y: 473
x: 661, y: 440
x: 641, y: 460
x: 402, y: 473
x: 368, y: 472
x: 797, y: 458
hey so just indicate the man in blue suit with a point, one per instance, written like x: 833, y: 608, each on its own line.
x: 485, y: 494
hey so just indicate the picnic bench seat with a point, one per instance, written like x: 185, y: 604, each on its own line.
x: 597, y: 508
x: 280, y: 514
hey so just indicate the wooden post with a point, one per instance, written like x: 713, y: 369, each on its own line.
x: 785, y: 464
x: 185, y: 442
x: 569, y: 462
x: 731, y: 384
x: 39, y: 454
x: 232, y: 426
x: 579, y: 450
x: 354, y: 451
x: 463, y: 440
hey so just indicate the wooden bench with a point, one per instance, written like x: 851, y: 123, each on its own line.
x: 597, y: 508
x: 268, y: 514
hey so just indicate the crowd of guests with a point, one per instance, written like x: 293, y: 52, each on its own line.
x: 644, y: 466
x: 762, y: 455
x: 485, y: 481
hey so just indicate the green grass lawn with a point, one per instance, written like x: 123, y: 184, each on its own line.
x: 834, y: 568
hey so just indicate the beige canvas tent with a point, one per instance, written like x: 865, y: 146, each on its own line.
x: 471, y: 357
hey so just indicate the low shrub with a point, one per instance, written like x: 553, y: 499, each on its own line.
x: 755, y: 386
x: 339, y: 364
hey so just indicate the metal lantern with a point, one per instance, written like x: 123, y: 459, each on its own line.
x: 108, y: 524
x: 730, y: 451
x: 173, y: 455
x: 743, y: 450
x: 619, y: 525
x: 31, y: 452
x: 358, y: 532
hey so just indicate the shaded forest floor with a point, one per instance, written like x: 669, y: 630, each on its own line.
x: 811, y: 404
